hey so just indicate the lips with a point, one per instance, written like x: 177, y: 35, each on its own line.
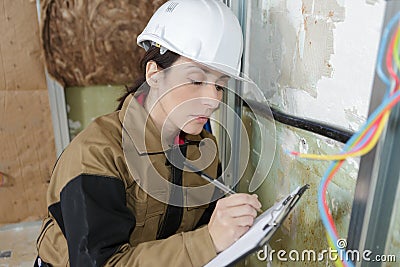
x: 201, y: 118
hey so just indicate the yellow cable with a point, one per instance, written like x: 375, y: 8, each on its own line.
x: 373, y: 142
x: 396, y: 48
x: 366, y: 149
x: 361, y: 152
x: 338, y: 261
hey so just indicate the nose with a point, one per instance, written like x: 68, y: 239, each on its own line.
x: 211, y: 97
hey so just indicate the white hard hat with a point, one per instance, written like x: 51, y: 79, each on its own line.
x: 205, y: 31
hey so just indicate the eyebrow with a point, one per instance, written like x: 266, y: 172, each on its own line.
x: 206, y: 71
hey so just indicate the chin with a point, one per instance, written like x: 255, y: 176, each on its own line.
x: 193, y: 129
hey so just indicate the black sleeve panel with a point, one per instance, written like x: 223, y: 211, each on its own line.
x: 96, y: 219
x: 55, y: 210
x: 205, y: 218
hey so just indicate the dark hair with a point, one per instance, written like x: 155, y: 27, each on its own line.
x: 153, y: 54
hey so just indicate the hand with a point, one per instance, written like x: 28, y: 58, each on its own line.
x: 232, y: 217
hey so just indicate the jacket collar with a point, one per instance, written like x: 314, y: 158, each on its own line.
x: 141, y: 129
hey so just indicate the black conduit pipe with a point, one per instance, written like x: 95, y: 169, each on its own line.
x: 323, y: 129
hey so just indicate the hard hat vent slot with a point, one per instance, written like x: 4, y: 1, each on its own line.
x: 171, y: 7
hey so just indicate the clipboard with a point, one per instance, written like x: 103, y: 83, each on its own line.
x: 264, y: 226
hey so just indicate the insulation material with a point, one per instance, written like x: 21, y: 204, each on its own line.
x: 26, y: 135
x: 21, y: 63
x: 94, y: 42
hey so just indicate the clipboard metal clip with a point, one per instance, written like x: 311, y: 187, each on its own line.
x: 280, y: 211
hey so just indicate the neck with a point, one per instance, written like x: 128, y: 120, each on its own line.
x: 154, y: 107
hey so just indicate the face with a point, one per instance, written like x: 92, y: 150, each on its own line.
x: 188, y: 93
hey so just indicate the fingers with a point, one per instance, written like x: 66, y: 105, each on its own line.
x: 232, y: 217
x: 240, y: 199
x: 243, y: 210
x: 244, y: 221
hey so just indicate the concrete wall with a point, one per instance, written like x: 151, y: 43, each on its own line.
x: 319, y: 56
x: 313, y: 59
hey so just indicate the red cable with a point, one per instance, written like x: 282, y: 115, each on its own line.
x: 389, y: 61
x: 375, y: 126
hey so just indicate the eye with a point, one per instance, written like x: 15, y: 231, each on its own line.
x: 200, y: 83
x: 194, y: 82
x: 220, y: 87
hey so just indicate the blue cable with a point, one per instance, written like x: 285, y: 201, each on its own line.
x: 364, y: 140
x: 324, y: 218
x: 350, y: 142
x: 382, y: 48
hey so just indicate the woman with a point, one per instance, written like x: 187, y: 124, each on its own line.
x: 119, y: 195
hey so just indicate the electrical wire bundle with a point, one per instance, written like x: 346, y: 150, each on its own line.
x: 367, y: 137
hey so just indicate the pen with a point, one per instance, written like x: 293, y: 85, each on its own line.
x: 215, y: 182
x: 208, y: 178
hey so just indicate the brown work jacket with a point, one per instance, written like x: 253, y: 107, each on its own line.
x: 98, y: 215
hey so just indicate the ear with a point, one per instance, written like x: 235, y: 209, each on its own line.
x: 152, y: 70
